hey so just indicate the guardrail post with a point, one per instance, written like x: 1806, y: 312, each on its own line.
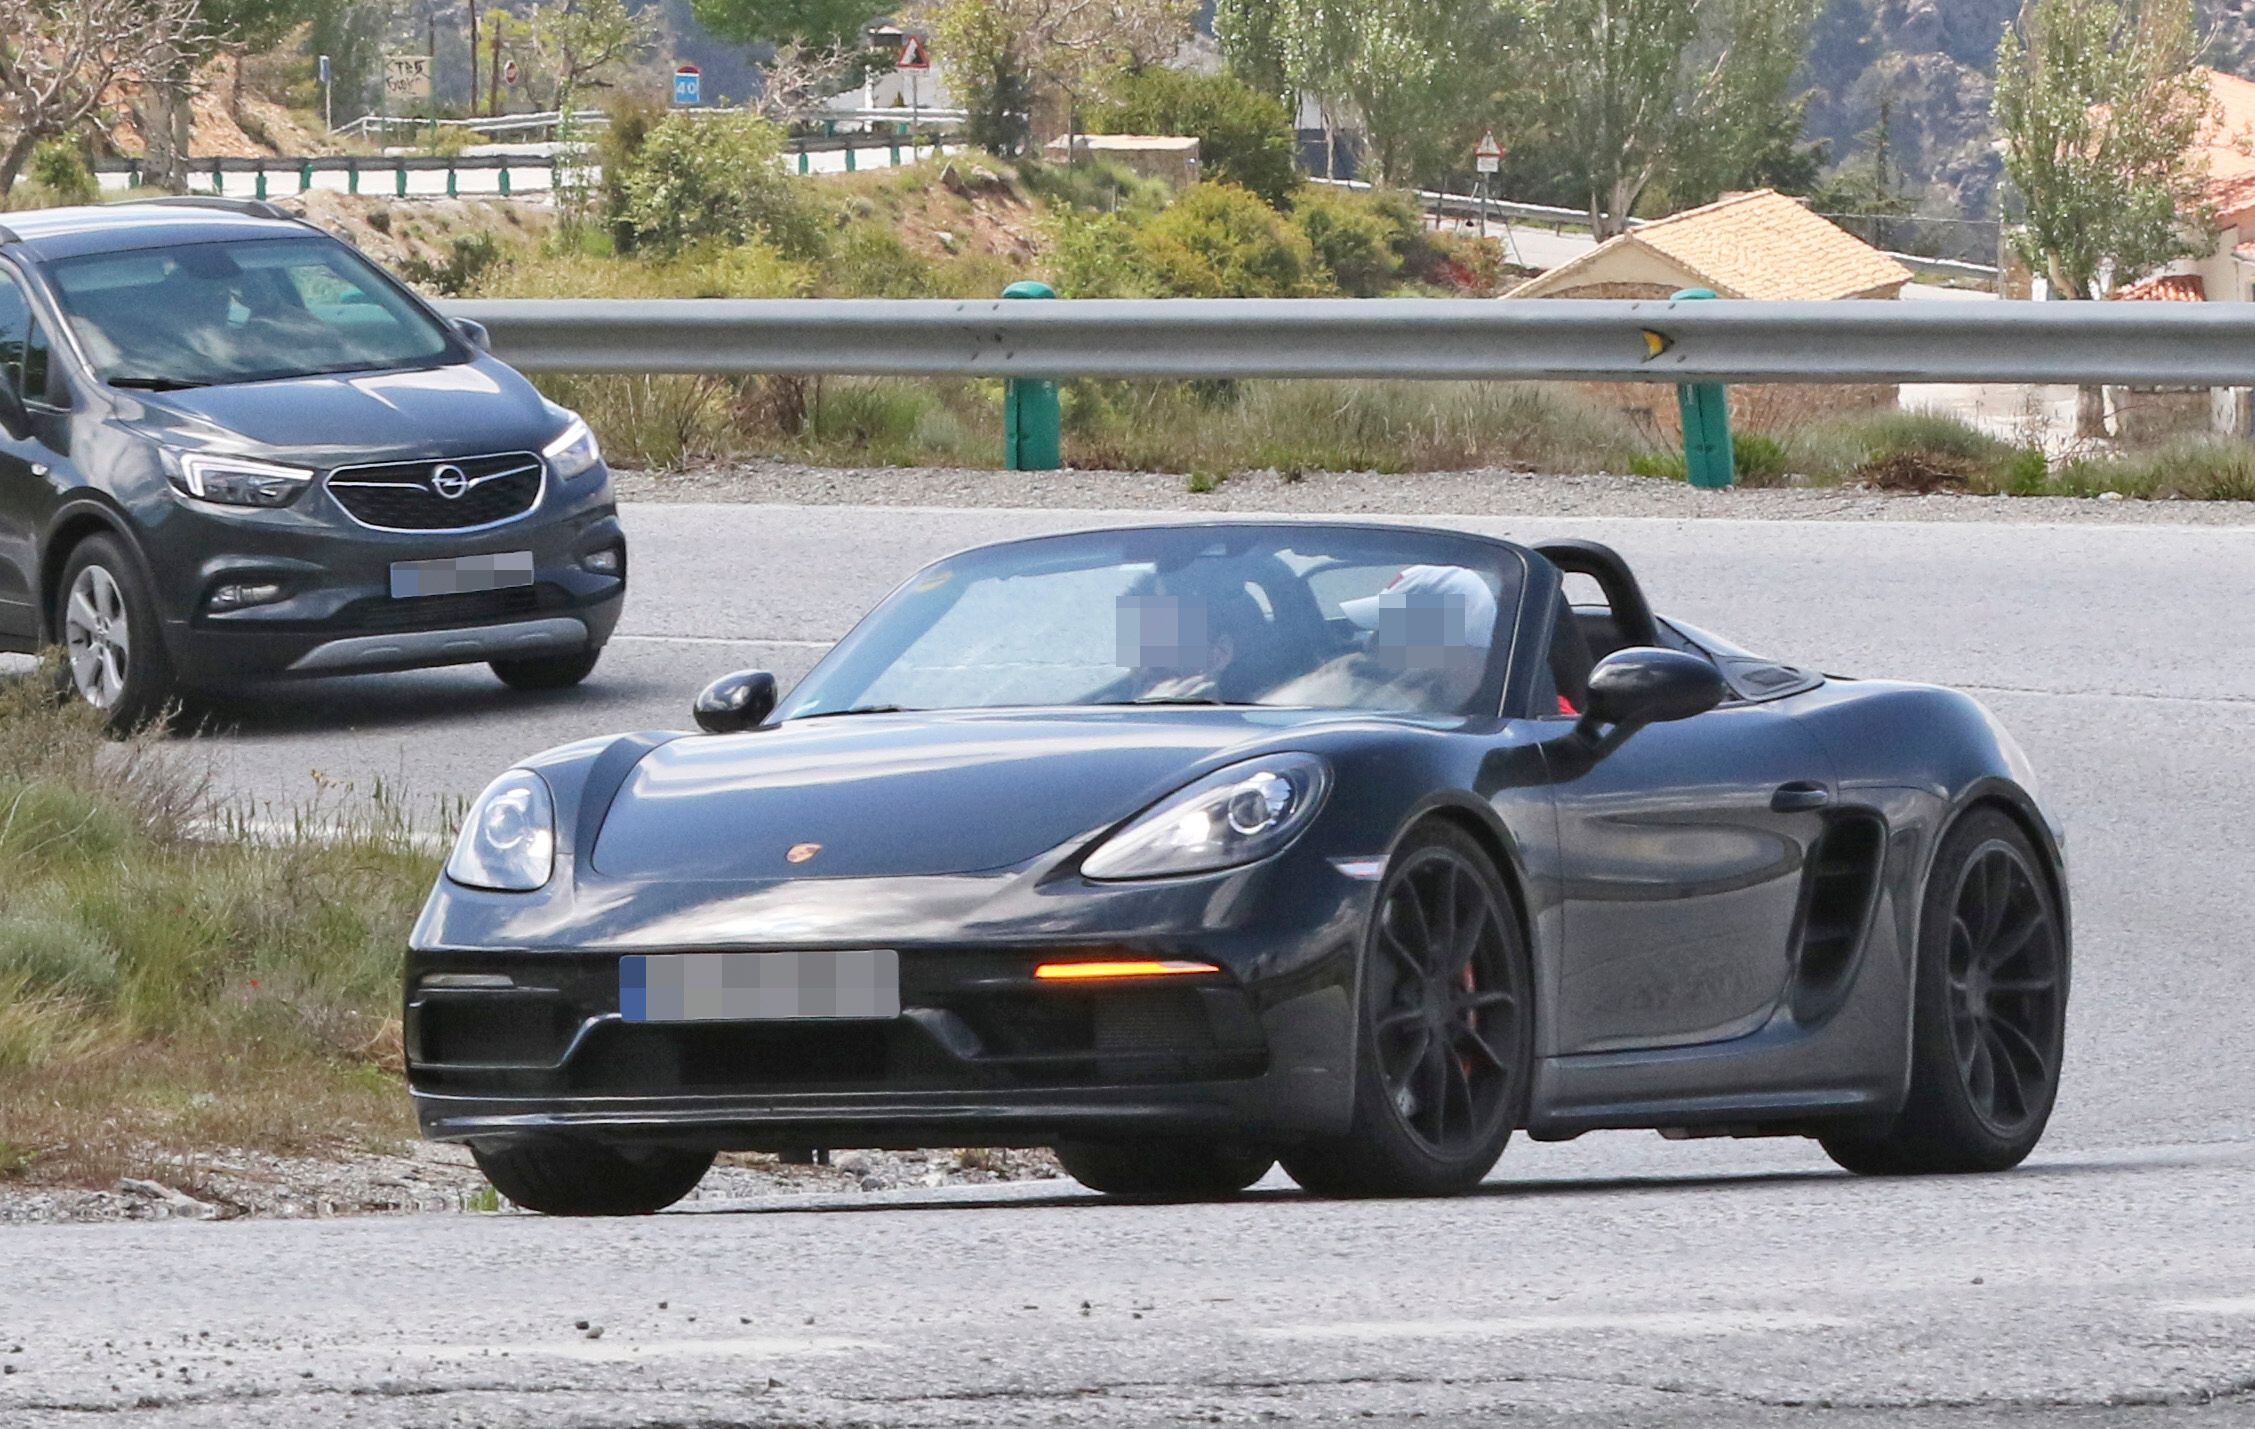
x: 849, y: 155
x: 504, y: 180
x: 1031, y: 439
x: 400, y: 178
x: 218, y: 178
x: 1707, y: 457
x: 352, y: 175
x: 803, y: 166
x: 892, y: 151
x: 133, y: 173
x: 258, y: 189
x: 450, y: 179
x: 305, y: 175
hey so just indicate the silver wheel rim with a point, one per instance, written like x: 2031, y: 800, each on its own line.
x: 97, y: 637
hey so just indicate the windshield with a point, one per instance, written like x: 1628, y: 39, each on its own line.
x: 242, y: 311
x: 1302, y: 617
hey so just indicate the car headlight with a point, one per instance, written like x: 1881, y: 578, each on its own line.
x: 574, y: 451
x: 233, y: 480
x: 509, y: 841
x: 1233, y: 816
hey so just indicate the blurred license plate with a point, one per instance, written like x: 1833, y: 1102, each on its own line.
x: 759, y: 987
x: 460, y: 575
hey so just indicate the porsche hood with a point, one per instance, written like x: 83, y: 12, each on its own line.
x: 905, y: 795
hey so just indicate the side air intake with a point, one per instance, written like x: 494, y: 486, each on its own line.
x: 1836, y: 897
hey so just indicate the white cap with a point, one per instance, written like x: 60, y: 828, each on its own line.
x: 1429, y: 588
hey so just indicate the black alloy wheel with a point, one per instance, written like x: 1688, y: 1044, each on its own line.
x: 1990, y: 1020
x: 1447, y: 1037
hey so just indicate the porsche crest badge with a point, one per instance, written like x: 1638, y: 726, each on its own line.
x: 800, y: 853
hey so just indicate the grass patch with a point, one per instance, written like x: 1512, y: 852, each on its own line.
x: 165, y: 990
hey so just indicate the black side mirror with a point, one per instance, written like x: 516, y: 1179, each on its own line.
x: 474, y: 333
x: 12, y: 414
x: 1646, y: 685
x: 735, y: 702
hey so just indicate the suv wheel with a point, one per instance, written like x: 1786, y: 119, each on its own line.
x: 548, y: 672
x: 113, y: 647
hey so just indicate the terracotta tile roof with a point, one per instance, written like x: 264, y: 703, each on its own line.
x: 1754, y: 245
x: 2227, y: 140
x: 2166, y: 288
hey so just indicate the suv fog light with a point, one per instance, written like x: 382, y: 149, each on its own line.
x: 235, y: 597
x: 605, y: 562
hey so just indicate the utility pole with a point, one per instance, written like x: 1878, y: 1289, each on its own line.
x: 430, y: 15
x: 493, y: 69
x: 473, y: 58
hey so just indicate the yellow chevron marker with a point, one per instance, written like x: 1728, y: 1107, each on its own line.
x: 1656, y: 343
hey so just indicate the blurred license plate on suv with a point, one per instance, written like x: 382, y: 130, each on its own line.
x: 759, y: 987
x: 460, y: 575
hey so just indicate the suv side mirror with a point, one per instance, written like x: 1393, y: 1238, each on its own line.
x: 474, y: 333
x: 735, y: 702
x: 1646, y: 685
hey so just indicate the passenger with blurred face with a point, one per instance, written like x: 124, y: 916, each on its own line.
x: 1427, y: 645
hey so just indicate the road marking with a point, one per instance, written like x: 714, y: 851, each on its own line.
x: 1646, y: 1322
x: 2225, y: 1305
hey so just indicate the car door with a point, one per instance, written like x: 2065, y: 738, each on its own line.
x: 26, y: 497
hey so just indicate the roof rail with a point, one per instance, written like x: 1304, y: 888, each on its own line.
x: 248, y: 207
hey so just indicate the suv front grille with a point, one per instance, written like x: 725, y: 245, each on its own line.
x: 410, y: 495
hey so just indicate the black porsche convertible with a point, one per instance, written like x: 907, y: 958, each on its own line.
x: 1191, y: 849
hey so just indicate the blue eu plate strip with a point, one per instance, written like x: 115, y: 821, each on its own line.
x: 634, y: 989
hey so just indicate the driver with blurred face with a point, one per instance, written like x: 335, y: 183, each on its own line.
x: 1428, y: 637
x: 1178, y: 646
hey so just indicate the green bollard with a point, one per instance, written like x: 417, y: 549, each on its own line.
x: 259, y: 190
x: 450, y: 181
x: 400, y: 179
x: 802, y: 161
x: 892, y: 153
x: 218, y: 178
x: 1708, y: 460
x: 1031, y: 439
x: 352, y: 176
x: 305, y: 175
x: 849, y: 156
x: 504, y: 180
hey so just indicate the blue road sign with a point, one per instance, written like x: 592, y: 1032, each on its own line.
x: 688, y: 85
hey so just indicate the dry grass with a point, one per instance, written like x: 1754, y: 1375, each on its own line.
x: 166, y: 987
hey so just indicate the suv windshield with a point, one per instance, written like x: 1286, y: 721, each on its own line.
x: 1301, y: 617
x: 197, y: 314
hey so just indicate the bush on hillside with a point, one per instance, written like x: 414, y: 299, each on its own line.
x: 60, y: 169
x: 1244, y: 136
x: 1221, y: 241
x: 1095, y: 256
x: 1360, y: 238
x: 716, y: 176
x: 617, y: 146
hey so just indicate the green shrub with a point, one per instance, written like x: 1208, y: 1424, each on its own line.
x: 1096, y: 184
x: 618, y: 148
x: 718, y: 176
x: 1360, y: 238
x: 1758, y: 460
x: 1095, y: 256
x: 469, y: 257
x: 60, y: 169
x: 2203, y: 468
x: 1220, y: 241
x: 868, y: 260
x: 1244, y: 136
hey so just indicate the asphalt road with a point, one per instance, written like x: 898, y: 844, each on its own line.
x: 1614, y: 1280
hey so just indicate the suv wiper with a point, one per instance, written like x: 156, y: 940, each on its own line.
x: 854, y: 710
x: 157, y: 384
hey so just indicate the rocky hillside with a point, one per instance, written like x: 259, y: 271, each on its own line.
x: 1932, y: 59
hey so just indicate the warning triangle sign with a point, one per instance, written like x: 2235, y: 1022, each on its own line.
x: 913, y: 55
x: 1489, y: 148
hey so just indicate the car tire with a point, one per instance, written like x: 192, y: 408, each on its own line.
x: 557, y: 1176
x: 113, y: 643
x: 1445, y: 1030
x: 1164, y: 1170
x: 1988, y: 1019
x: 547, y: 672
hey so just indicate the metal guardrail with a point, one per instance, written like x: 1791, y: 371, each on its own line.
x: 368, y: 124
x: 1546, y: 215
x: 2156, y: 344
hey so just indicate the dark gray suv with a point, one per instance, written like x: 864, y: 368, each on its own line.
x: 231, y: 448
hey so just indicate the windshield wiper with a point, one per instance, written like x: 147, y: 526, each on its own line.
x: 854, y: 710
x: 157, y: 384
x: 1174, y: 700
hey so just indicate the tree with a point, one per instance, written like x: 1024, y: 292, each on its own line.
x: 1251, y: 43
x: 1411, y: 72
x: 2098, y: 106
x: 586, y: 43
x: 814, y: 24
x: 800, y: 76
x: 1244, y: 136
x: 59, y: 59
x: 1002, y: 53
x: 1629, y: 90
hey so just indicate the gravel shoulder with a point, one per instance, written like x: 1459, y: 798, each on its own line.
x: 424, y: 1177
x: 1494, y: 492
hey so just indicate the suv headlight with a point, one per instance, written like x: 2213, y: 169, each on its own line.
x: 234, y: 480
x: 574, y: 451
x: 1233, y: 816
x: 509, y: 841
